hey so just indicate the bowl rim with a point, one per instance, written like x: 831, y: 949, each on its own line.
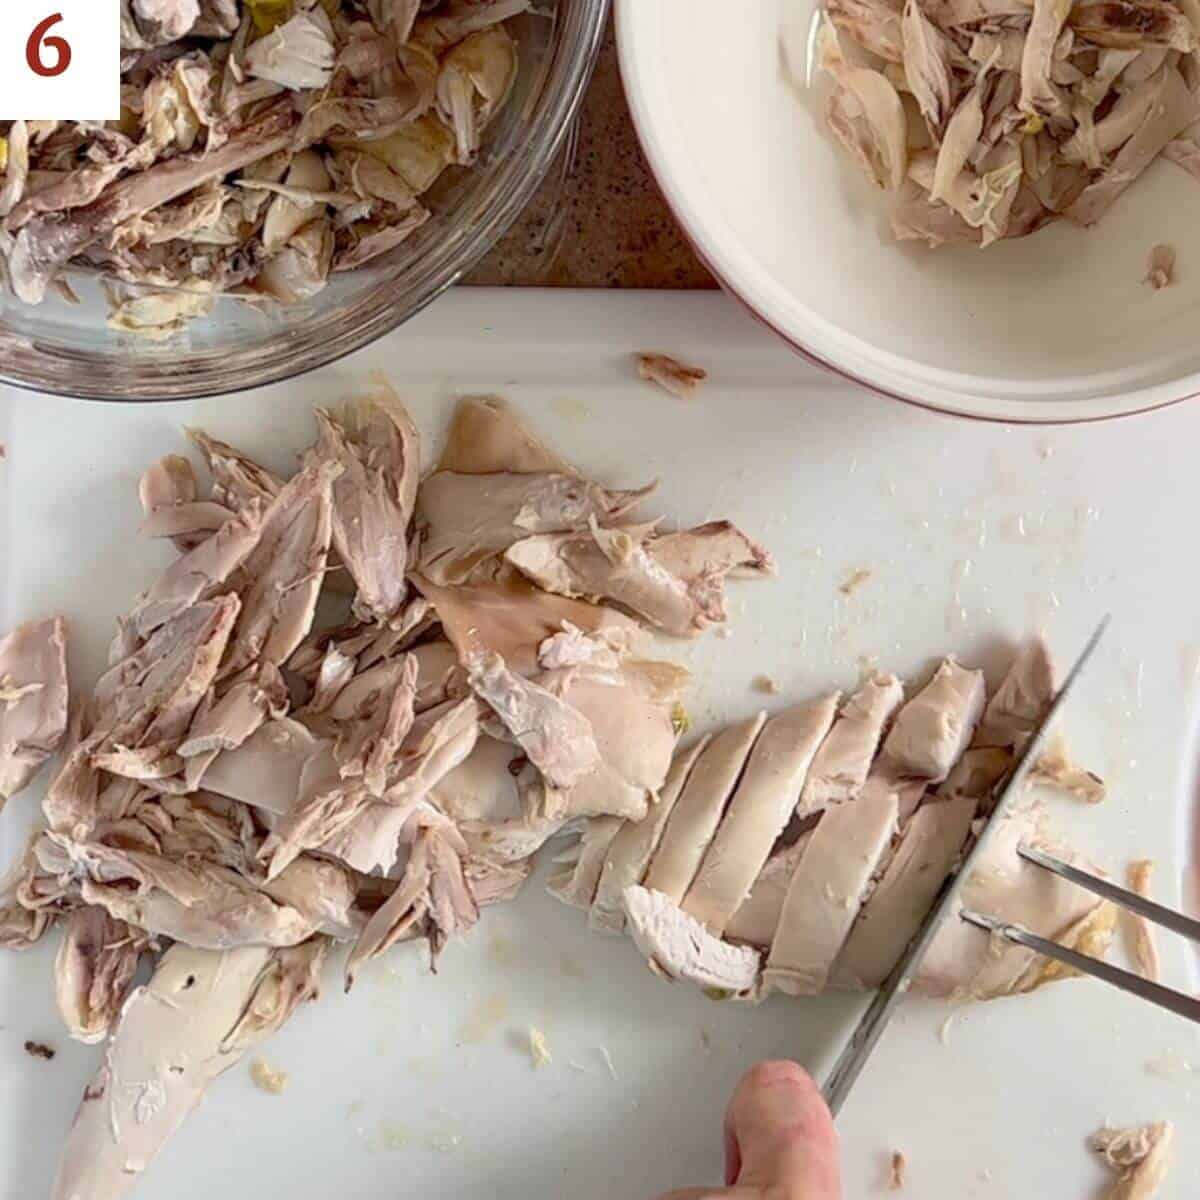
x: 517, y: 178
x: 717, y: 247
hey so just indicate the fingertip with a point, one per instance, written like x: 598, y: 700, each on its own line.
x: 782, y: 1129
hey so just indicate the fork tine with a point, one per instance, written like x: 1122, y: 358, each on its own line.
x: 1166, y: 917
x: 1145, y: 989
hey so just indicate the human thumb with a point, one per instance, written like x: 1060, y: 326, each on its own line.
x: 779, y: 1134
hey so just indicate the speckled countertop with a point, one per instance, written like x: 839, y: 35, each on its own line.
x: 605, y: 224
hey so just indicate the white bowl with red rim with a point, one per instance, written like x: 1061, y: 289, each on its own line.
x: 1059, y: 326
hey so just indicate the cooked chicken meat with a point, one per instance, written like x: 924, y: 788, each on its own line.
x: 634, y: 844
x: 698, y: 811
x: 1020, y: 113
x: 96, y: 963
x: 199, y: 1014
x: 33, y: 701
x: 1140, y: 1156
x: 378, y: 448
x: 757, y: 918
x: 681, y: 948
x: 828, y: 889
x: 759, y: 810
x: 263, y: 146
x: 933, y: 729
x: 674, y: 583
x: 840, y: 767
x: 468, y: 520
x: 963, y: 960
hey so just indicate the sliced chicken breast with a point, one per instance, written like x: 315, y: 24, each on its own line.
x: 635, y: 843
x: 699, y: 809
x: 828, y: 889
x: 680, y: 947
x: 842, y: 763
x: 757, y: 919
x: 903, y: 897
x: 576, y: 884
x: 1021, y: 700
x: 933, y: 729
x: 760, y: 809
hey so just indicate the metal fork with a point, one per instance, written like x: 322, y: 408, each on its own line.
x: 1127, y: 981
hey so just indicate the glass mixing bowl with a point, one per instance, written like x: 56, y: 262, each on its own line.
x: 69, y: 350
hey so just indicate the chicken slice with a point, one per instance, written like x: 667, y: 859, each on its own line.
x: 844, y: 759
x: 199, y: 1014
x: 237, y: 479
x: 933, y: 729
x: 433, y: 899
x: 33, y: 700
x: 146, y: 702
x: 965, y: 961
x: 677, y: 587
x: 274, y: 768
x: 556, y: 736
x: 757, y: 919
x: 199, y: 574
x: 469, y: 519
x: 680, y: 947
x: 255, y: 696
x: 513, y: 619
x: 1021, y: 700
x: 631, y: 711
x: 906, y: 892
x: 282, y: 575
x: 196, y: 902
x: 759, y: 811
x: 487, y: 437
x: 97, y: 960
x: 166, y: 486
x: 632, y: 848
x: 699, y: 809
x: 828, y: 889
x: 483, y: 787
x: 369, y: 719
x: 577, y: 882
x: 379, y: 450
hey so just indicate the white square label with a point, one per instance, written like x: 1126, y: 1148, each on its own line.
x: 60, y: 60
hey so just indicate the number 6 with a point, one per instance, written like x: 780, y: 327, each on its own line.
x: 38, y: 38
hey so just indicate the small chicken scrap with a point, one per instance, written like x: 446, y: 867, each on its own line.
x: 802, y: 852
x: 263, y: 145
x: 250, y: 783
x: 1140, y: 1156
x: 988, y: 119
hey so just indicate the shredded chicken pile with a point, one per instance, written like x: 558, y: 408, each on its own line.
x: 987, y: 119
x: 248, y: 784
x: 263, y: 145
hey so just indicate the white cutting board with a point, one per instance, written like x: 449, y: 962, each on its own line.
x: 422, y: 1086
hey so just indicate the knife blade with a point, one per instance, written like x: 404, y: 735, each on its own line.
x: 879, y: 1013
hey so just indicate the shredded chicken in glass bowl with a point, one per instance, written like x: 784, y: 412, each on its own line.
x: 290, y: 180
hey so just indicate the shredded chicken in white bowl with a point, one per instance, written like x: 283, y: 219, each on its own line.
x: 990, y: 118
x: 956, y: 123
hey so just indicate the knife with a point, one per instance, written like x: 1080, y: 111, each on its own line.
x: 878, y: 1015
